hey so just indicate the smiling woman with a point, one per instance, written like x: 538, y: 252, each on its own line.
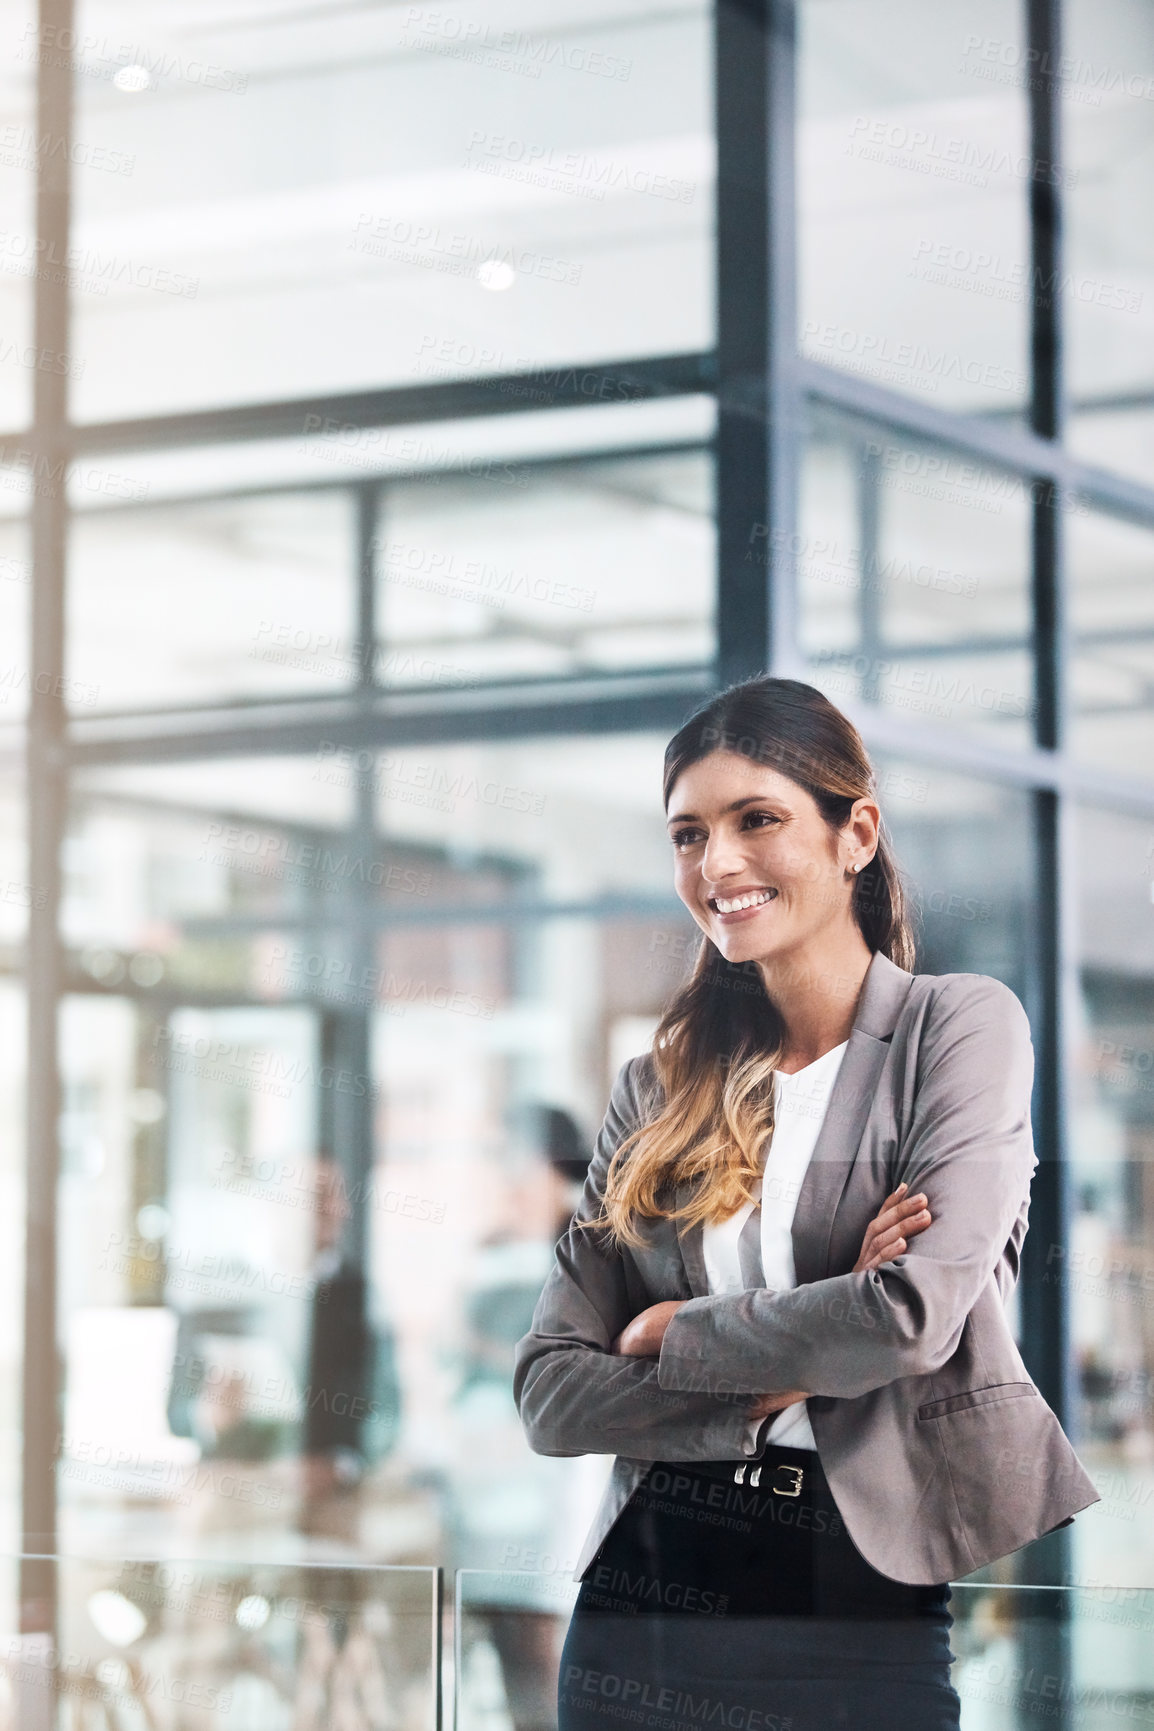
x: 771, y: 862
x: 782, y: 1300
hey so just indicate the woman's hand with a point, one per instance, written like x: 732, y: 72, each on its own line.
x: 642, y: 1337
x: 899, y: 1219
x: 767, y: 1403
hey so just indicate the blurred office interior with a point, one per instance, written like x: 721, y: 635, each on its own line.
x: 409, y: 414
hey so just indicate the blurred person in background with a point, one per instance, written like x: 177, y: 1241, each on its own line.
x: 521, y: 1520
x: 352, y: 1393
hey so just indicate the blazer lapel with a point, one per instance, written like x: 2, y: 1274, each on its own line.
x: 692, y: 1251
x: 883, y: 994
x: 837, y: 1143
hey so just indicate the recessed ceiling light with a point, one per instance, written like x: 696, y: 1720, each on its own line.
x: 132, y: 79
x: 495, y: 274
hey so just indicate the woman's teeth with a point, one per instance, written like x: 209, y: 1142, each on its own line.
x: 753, y: 900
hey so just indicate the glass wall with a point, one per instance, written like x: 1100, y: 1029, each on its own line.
x: 913, y: 163
x: 315, y: 200
x: 395, y: 355
x: 1107, y: 1267
x: 329, y: 1093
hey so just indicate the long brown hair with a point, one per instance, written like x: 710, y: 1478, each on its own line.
x: 721, y: 1038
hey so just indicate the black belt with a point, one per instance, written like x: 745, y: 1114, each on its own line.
x: 784, y: 1472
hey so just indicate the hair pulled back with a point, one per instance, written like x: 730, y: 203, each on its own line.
x: 721, y: 1038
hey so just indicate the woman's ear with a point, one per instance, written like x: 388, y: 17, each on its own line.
x: 864, y: 825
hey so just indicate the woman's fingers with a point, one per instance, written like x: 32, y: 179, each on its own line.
x: 898, y: 1217
x: 900, y: 1211
x: 887, y: 1255
x: 894, y: 1240
x: 892, y: 1201
x: 904, y: 1229
x: 892, y: 1213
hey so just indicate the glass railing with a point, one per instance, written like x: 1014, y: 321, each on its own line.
x: 1081, y: 1659
x: 152, y: 1644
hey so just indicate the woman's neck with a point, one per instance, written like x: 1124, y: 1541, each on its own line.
x: 816, y: 996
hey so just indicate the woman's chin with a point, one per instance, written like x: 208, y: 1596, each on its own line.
x: 738, y: 949
x: 744, y: 949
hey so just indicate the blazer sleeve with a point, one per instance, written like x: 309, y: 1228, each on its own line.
x: 969, y: 1147
x: 573, y: 1395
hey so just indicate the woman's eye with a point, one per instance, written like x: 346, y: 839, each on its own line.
x: 761, y: 818
x: 685, y: 837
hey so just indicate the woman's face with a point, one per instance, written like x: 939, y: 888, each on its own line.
x: 756, y: 864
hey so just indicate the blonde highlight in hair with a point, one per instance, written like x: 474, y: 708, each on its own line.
x: 698, y: 1157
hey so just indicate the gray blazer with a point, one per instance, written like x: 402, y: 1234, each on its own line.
x: 940, y: 1451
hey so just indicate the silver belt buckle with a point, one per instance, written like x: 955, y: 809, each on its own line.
x: 793, y: 1489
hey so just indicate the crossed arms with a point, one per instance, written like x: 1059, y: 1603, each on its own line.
x: 967, y: 1147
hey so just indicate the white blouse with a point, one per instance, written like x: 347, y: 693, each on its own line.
x: 799, y: 1107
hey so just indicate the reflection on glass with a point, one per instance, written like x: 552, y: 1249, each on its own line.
x: 1108, y: 299
x: 233, y: 598
x: 604, y: 565
x: 1005, y: 1638
x: 15, y: 597
x: 913, y: 172
x: 1109, y: 567
x: 1107, y: 1266
x: 18, y: 253
x: 913, y: 575
x: 965, y: 846
x: 160, y: 1642
x: 311, y: 200
x: 329, y: 1087
x: 17, y: 897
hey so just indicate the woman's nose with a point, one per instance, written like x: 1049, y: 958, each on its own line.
x: 722, y: 857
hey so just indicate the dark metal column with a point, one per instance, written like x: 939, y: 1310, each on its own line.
x: 758, y: 414
x: 1045, y: 1632
x: 45, y: 796
x: 1044, y: 1305
x: 341, y: 1345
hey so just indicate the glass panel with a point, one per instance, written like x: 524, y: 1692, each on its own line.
x: 913, y: 574
x: 1107, y: 1266
x: 1020, y: 1656
x: 15, y: 595
x: 600, y: 565
x: 170, y: 1644
x: 17, y: 896
x: 913, y: 174
x: 965, y: 846
x: 435, y: 193
x: 330, y: 1084
x: 1111, y: 588
x: 1108, y: 140
x: 509, y: 1629
x: 20, y: 52
x: 233, y: 598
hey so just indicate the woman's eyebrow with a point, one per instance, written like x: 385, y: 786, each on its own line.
x: 734, y: 805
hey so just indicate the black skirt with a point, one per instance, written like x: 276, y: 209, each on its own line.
x: 746, y: 1606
